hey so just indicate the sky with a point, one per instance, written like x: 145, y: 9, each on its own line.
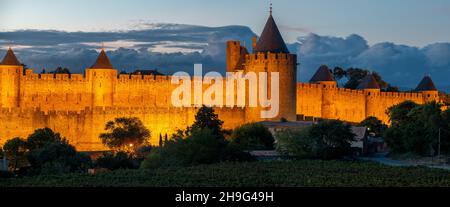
x: 402, y: 40
x: 411, y: 22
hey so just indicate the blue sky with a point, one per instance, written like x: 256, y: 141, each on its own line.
x: 412, y: 22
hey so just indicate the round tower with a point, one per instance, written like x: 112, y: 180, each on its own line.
x: 10, y: 72
x: 428, y: 90
x: 102, y: 77
x: 372, y: 91
x: 324, y: 77
x: 271, y: 55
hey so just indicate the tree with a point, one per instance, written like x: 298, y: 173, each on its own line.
x: 42, y: 137
x: 253, y: 136
x: 415, y: 128
x: 206, y: 118
x: 339, y: 73
x: 332, y: 138
x: 57, y: 158
x: 125, y: 134
x: 15, y: 150
x: 356, y: 75
x: 398, y: 114
x: 373, y: 125
x: 160, y: 140
x: 297, y: 143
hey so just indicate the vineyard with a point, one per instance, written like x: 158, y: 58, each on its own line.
x: 305, y: 173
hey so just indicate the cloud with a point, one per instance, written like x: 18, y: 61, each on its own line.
x: 400, y: 65
x: 175, y: 47
x: 168, y: 47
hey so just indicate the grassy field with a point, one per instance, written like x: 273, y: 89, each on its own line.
x: 306, y: 173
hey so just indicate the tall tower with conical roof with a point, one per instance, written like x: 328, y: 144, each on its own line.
x: 10, y: 73
x: 102, y: 78
x: 269, y: 55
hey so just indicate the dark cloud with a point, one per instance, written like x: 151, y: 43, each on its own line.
x: 174, y: 47
x: 400, y: 65
x: 168, y: 47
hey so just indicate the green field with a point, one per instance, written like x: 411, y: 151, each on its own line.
x: 308, y: 173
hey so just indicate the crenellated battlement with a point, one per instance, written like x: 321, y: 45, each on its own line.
x: 270, y: 58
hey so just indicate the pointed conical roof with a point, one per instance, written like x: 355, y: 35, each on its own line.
x: 271, y: 39
x: 368, y: 82
x: 102, y: 61
x: 426, y: 84
x: 10, y: 58
x: 322, y: 74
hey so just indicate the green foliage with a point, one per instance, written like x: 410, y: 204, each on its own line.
x: 125, y: 134
x: 57, y: 158
x: 302, y: 173
x: 202, y: 143
x: 398, y: 114
x: 120, y: 160
x: 332, y: 139
x: 206, y: 118
x: 15, y: 150
x: 200, y: 147
x: 415, y: 129
x: 329, y: 139
x: 355, y: 76
x: 252, y: 136
x: 42, y: 137
x: 296, y: 143
x: 374, y: 125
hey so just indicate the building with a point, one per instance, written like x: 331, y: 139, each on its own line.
x: 322, y: 98
x: 79, y: 105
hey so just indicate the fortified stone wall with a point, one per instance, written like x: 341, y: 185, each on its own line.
x: 322, y: 101
x: 66, y: 104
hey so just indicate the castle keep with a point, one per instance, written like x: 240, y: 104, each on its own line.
x: 79, y: 105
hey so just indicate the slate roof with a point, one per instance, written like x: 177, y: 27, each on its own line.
x: 426, y: 84
x: 10, y: 58
x: 368, y: 82
x: 271, y: 39
x: 102, y: 62
x: 322, y: 74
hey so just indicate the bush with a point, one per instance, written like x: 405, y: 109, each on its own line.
x: 154, y: 160
x: 200, y: 147
x: 42, y: 137
x: 253, y: 136
x: 295, y: 143
x: 15, y: 150
x: 329, y: 139
x: 415, y: 129
x: 57, y: 158
x: 332, y: 139
x: 120, y: 160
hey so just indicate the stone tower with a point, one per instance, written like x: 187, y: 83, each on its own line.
x: 235, y: 56
x: 324, y: 77
x: 10, y: 73
x: 103, y: 78
x: 428, y: 89
x: 270, y: 54
x: 372, y: 91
